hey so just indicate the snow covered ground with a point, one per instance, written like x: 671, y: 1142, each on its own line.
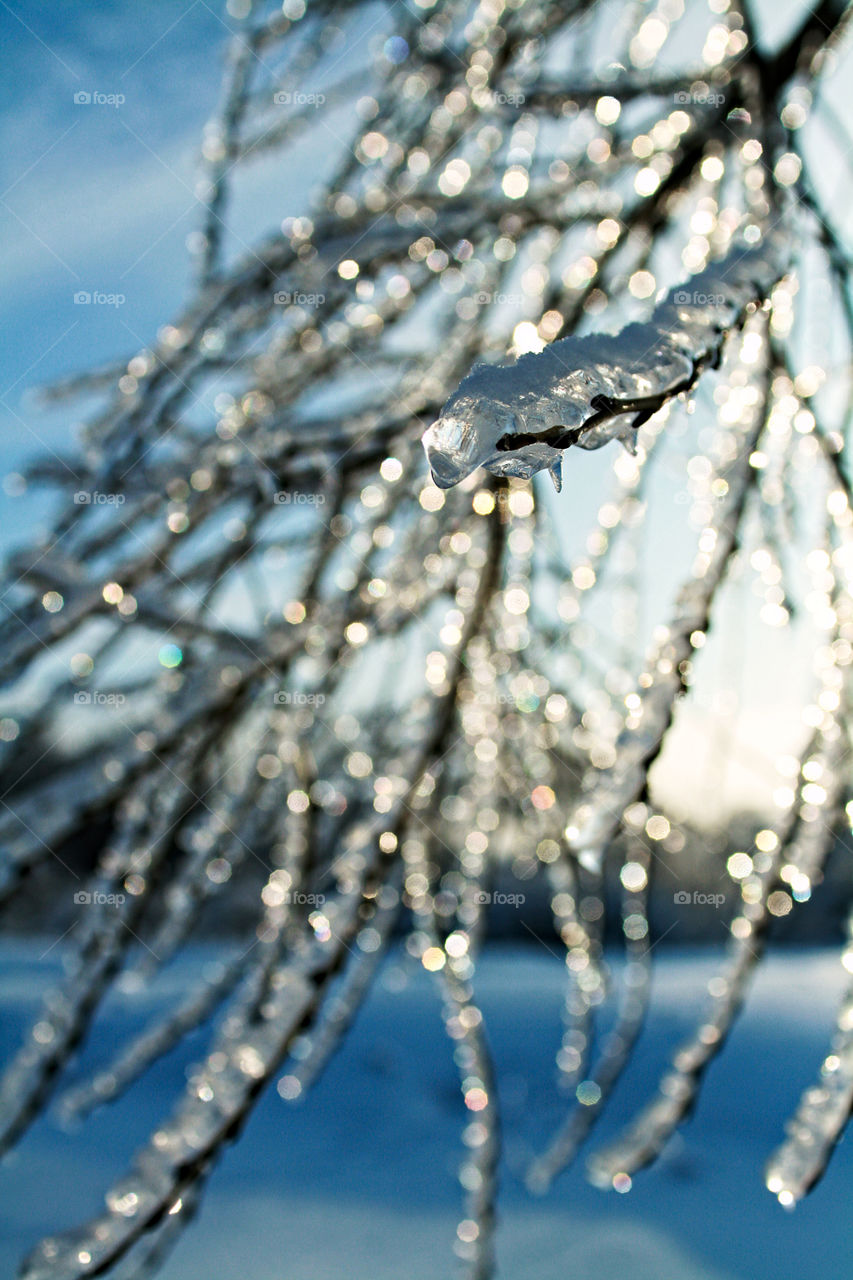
x: 359, y: 1180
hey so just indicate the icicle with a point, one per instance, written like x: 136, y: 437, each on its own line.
x: 343, y: 1006
x: 599, y: 817
x: 104, y: 936
x: 645, y: 1138
x: 823, y: 1111
x: 593, y: 1093
x: 163, y: 1034
x: 213, y: 1104
x: 514, y: 419
x: 464, y: 1021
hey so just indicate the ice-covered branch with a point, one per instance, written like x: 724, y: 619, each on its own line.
x: 517, y: 419
x: 600, y: 815
x: 824, y: 1110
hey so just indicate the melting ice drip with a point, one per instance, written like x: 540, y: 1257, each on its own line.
x: 517, y: 419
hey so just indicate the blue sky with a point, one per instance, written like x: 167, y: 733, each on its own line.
x: 89, y: 189
x: 92, y: 197
x: 99, y: 196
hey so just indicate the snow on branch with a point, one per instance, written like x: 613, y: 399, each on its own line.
x: 517, y: 419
